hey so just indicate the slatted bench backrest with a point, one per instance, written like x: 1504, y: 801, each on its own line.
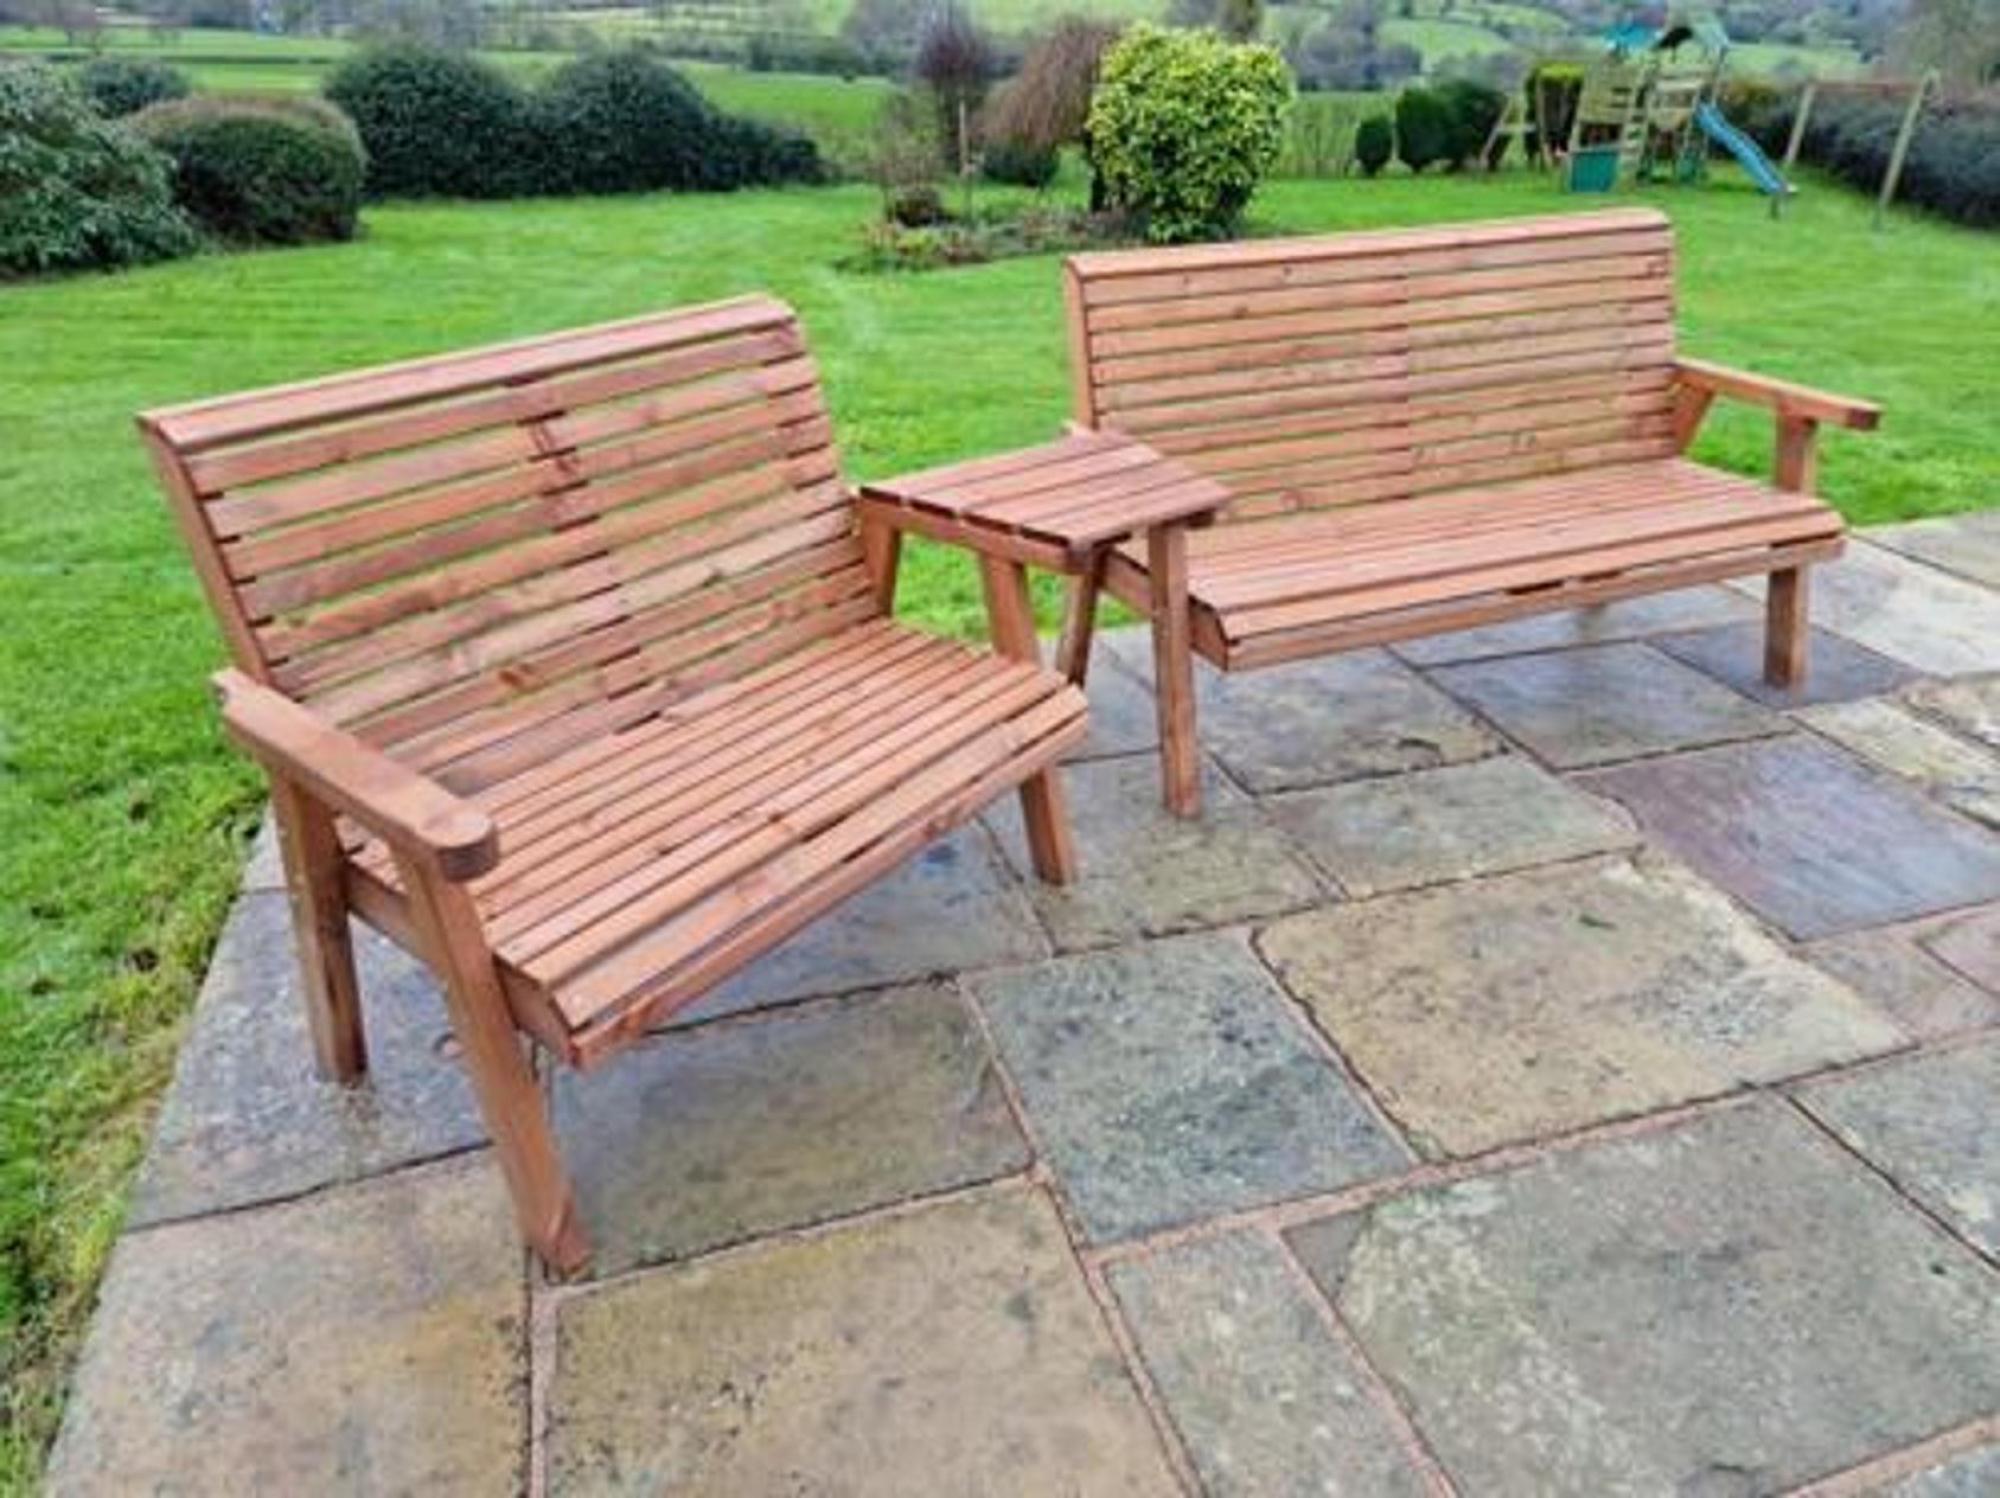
x: 479, y: 560
x: 1377, y: 366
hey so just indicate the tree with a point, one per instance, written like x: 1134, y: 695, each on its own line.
x: 1046, y: 105
x: 955, y: 63
x: 1960, y: 38
x: 884, y: 31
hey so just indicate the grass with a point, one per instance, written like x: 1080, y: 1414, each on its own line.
x: 122, y: 814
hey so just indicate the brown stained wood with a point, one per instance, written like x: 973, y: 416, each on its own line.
x: 1794, y: 456
x: 510, y: 1102
x: 1787, y: 628
x: 882, y: 550
x: 1011, y: 618
x: 1080, y: 620
x: 310, y: 849
x: 571, y: 664
x: 1173, y: 670
x: 1781, y: 396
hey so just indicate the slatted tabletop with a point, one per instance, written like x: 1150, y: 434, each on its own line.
x: 1077, y: 494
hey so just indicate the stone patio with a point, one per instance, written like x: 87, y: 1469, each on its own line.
x: 1555, y: 1065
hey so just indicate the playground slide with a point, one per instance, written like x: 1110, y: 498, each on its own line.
x: 1746, y: 151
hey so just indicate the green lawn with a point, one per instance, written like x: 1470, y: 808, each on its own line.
x: 123, y: 816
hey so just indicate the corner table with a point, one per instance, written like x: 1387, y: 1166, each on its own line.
x: 1064, y: 506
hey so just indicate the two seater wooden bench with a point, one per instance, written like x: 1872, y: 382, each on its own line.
x: 1426, y: 430
x: 571, y: 675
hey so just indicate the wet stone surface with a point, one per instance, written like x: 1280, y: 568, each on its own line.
x: 1322, y: 721
x: 1893, y: 972
x: 1627, y: 619
x: 1807, y: 836
x: 1971, y: 945
x: 1929, y: 620
x: 953, y: 905
x: 1837, y: 669
x: 1498, y: 1010
x: 1166, y: 1082
x: 368, y: 1339
x: 1960, y: 774
x: 949, y: 1349
x: 249, y: 1120
x: 1968, y: 545
x: 1929, y: 1123
x: 1148, y: 872
x: 1265, y: 1400
x: 1604, y: 703
x: 706, y: 1137
x: 1971, y: 706
x: 1795, y: 1320
x: 1435, y: 825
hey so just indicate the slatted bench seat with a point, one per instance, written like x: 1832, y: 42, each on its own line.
x: 572, y: 674
x: 1425, y: 430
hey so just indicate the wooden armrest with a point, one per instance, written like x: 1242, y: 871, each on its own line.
x: 406, y: 809
x: 1781, y: 396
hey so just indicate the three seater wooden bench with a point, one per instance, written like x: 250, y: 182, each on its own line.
x: 1432, y: 429
x: 571, y: 675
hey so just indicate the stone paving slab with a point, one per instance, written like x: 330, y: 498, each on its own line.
x: 1433, y: 825
x: 702, y: 1138
x: 1166, y: 1082
x: 1266, y: 1401
x: 1971, y: 945
x: 1885, y: 734
x: 1727, y: 1307
x: 1146, y: 872
x: 953, y: 1349
x: 1973, y: 1475
x: 248, y: 1120
x: 1123, y: 716
x: 1507, y: 1008
x: 1895, y: 974
x: 1627, y: 619
x: 1838, y: 670
x: 1317, y: 722
x: 1928, y: 1122
x: 1927, y: 619
x: 1601, y: 703
x: 1970, y: 705
x: 368, y: 1339
x: 1966, y: 544
x: 1806, y: 836
x: 952, y: 905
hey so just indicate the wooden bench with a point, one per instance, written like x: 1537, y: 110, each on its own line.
x: 571, y: 675
x: 1426, y: 430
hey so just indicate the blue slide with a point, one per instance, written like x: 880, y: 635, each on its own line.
x: 1746, y: 151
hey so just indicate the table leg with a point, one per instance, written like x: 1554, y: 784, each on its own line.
x: 1173, y: 669
x: 1080, y: 623
x: 1043, y: 811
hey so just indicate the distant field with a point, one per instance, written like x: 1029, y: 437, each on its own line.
x: 1438, y: 40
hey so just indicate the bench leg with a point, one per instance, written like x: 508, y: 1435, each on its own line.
x: 510, y: 1101
x: 1173, y: 670
x: 1044, y: 813
x: 315, y: 883
x: 1787, y: 629
x: 882, y: 553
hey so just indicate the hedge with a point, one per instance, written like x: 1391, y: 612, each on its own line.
x: 119, y: 86
x: 1953, y: 168
x: 444, y: 124
x: 261, y: 170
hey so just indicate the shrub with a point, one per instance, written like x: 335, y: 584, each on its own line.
x: 1184, y: 125
x: 1953, y: 168
x: 438, y: 124
x: 1423, y: 128
x: 1374, y: 143
x: 261, y: 170
x: 77, y: 190
x: 1473, y: 109
x: 915, y: 206
x: 1020, y: 163
x: 119, y: 86
x: 1552, y: 90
